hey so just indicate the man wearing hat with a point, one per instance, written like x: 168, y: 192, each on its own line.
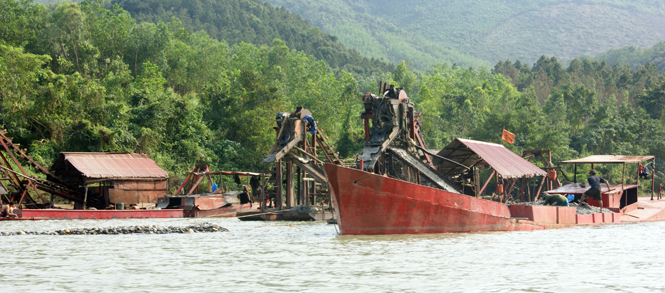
x: 594, y: 192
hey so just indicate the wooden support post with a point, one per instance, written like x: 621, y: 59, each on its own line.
x: 539, y: 188
x: 652, y: 176
x: 510, y: 190
x: 522, y: 190
x: 289, y: 184
x: 575, y: 174
x: 623, y: 179
x: 638, y: 180
x: 263, y: 194
x: 476, y: 181
x: 487, y: 182
x: 496, y: 189
x: 314, y: 145
x: 300, y: 187
x: 278, y: 185
x: 85, y: 196
x: 305, y: 190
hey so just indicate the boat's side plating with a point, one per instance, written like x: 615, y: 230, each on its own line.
x: 56, y: 214
x: 367, y: 203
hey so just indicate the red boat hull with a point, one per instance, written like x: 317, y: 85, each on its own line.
x: 369, y: 204
x: 55, y: 214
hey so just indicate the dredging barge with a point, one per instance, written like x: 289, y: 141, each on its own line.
x: 299, y: 183
x: 217, y: 201
x: 401, y: 187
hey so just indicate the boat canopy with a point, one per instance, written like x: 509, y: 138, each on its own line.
x: 609, y: 159
x: 470, y: 152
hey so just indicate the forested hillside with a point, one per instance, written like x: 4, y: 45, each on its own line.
x: 79, y: 77
x: 258, y: 23
x: 485, y: 29
x: 635, y: 57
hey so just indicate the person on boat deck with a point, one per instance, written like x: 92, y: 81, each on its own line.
x: 643, y: 172
x: 594, y: 192
x: 556, y: 200
x: 8, y: 211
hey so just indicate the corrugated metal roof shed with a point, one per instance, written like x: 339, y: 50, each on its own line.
x: 469, y: 152
x: 115, y: 165
x: 608, y: 159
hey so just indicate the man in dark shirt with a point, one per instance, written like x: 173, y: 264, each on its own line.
x: 594, y: 191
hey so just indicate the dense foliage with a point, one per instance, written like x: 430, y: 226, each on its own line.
x: 80, y: 77
x: 84, y: 78
x: 258, y: 23
x: 446, y: 31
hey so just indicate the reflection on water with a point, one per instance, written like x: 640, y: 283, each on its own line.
x: 308, y: 257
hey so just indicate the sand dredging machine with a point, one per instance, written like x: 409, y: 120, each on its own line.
x: 400, y: 186
x: 299, y: 185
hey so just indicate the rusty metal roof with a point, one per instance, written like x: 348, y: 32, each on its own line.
x: 469, y: 152
x: 608, y: 159
x: 115, y: 165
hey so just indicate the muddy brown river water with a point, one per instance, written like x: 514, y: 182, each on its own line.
x: 311, y: 257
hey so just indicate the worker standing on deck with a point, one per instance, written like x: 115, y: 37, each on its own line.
x: 556, y: 200
x: 594, y: 192
x: 8, y: 211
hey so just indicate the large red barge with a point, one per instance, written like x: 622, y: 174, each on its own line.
x: 370, y: 204
x: 402, y: 187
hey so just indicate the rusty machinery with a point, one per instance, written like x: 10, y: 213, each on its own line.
x: 393, y: 142
x: 394, y: 147
x: 253, y: 186
x: 15, y: 176
x: 294, y: 146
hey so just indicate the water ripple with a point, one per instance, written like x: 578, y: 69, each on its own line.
x: 311, y: 257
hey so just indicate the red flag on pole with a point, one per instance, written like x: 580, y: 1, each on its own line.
x: 508, y: 136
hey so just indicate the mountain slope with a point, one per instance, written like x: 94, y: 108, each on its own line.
x: 486, y: 29
x: 256, y: 22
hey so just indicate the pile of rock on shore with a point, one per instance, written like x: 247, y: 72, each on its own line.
x: 145, y: 229
x: 582, y: 209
